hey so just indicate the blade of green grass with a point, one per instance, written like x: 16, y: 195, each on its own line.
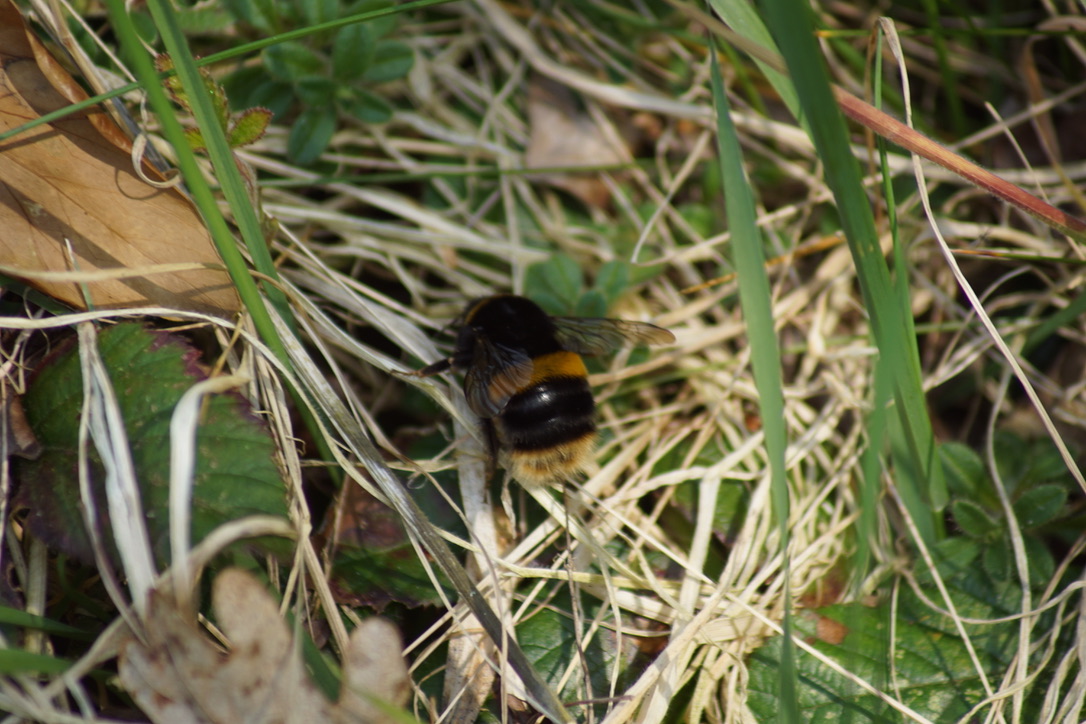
x: 918, y: 473
x: 15, y: 617
x: 748, y: 258
x: 25, y: 663
x: 202, y: 195
x: 742, y: 19
x: 222, y: 159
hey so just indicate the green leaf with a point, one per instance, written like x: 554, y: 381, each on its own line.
x: 591, y: 304
x: 933, y: 670
x: 998, y: 561
x: 145, y: 26
x: 1046, y: 463
x: 310, y: 135
x: 953, y: 557
x: 235, y: 475
x: 316, y: 92
x: 292, y: 61
x: 965, y: 471
x: 205, y: 19
x: 365, y: 106
x: 315, y: 12
x: 549, y: 640
x: 381, y: 26
x: 249, y: 127
x: 375, y: 576
x: 612, y: 280
x: 1042, y: 566
x: 195, y: 139
x: 392, y: 60
x: 563, y: 278
x: 1013, y: 460
x: 352, y: 52
x: 974, y: 520
x: 933, y: 673
x: 241, y: 84
x: 1039, y: 505
x: 252, y: 13
x: 275, y: 96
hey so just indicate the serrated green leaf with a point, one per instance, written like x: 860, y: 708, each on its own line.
x: 235, y: 476
x: 218, y: 98
x: 1039, y: 505
x: 352, y: 52
x: 195, y: 139
x: 249, y: 127
x: 974, y: 520
x: 291, y: 61
x: 392, y: 60
x: 310, y: 135
x: 549, y: 640
x: 933, y: 672
x: 365, y: 106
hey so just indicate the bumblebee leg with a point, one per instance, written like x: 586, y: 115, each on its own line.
x: 442, y: 365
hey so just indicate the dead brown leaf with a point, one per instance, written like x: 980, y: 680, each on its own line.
x: 562, y: 134
x: 72, y: 182
x: 177, y: 675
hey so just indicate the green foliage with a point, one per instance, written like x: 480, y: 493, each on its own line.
x: 551, y: 642
x: 324, y: 76
x: 1038, y: 487
x: 241, y: 130
x: 235, y: 475
x: 933, y: 672
x: 558, y: 285
x: 375, y: 564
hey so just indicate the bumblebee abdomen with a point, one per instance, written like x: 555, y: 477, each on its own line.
x: 548, y: 428
x: 548, y: 414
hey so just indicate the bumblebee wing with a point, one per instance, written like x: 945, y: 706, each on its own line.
x: 589, y: 335
x: 496, y: 374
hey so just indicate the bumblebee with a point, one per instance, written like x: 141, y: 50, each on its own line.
x: 524, y: 377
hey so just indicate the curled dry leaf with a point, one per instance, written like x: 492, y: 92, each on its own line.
x: 177, y: 675
x: 72, y: 182
x: 20, y: 439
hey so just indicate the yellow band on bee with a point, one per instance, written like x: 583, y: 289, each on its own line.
x: 557, y: 364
